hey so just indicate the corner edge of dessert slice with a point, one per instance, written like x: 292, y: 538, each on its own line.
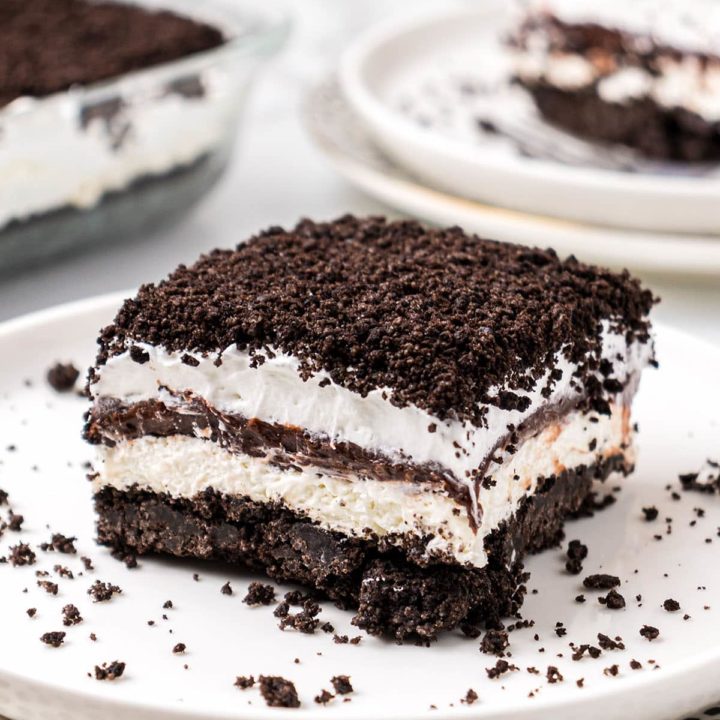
x: 391, y: 415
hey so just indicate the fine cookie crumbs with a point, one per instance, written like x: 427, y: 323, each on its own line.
x: 49, y: 587
x: 259, y: 594
x: 470, y: 697
x: 554, y: 675
x: 226, y: 589
x: 278, y: 692
x: 179, y: 649
x: 53, y: 639
x: 31, y: 612
x: 671, y: 605
x: 650, y: 513
x: 244, y: 681
x: 109, y: 671
x: 60, y: 543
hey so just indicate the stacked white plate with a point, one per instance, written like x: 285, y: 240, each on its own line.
x: 422, y: 115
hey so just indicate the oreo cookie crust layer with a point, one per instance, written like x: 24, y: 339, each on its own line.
x: 645, y: 74
x: 418, y: 398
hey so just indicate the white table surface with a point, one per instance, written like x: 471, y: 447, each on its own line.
x: 277, y: 177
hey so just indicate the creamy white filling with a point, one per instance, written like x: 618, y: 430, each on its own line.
x: 692, y: 25
x: 684, y: 83
x: 184, y: 466
x: 48, y: 159
x: 275, y: 392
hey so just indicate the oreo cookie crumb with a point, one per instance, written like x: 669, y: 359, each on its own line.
x: 87, y: 563
x: 607, y: 643
x: 601, y: 582
x: 635, y: 665
x: 179, y: 649
x: 612, y: 671
x: 501, y: 667
x: 60, y: 543
x: 226, y: 589
x: 576, y: 553
x: 167, y: 605
x: 109, y: 671
x: 613, y: 600
x: 650, y: 513
x: 71, y: 615
x: 259, y: 594
x: 31, y: 612
x: 470, y: 697
x: 494, y: 642
x: 649, y: 632
x: 49, y: 587
x: 324, y: 697
x: 671, y: 605
x: 341, y: 684
x: 62, y: 377
x: 102, y: 591
x: 244, y: 681
x: 53, y: 639
x: 15, y: 522
x: 554, y: 675
x: 278, y: 692
x: 21, y: 554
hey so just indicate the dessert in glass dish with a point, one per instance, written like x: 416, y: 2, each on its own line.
x: 116, y: 116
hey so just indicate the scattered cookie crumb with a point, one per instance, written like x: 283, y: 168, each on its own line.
x: 109, y: 671
x: 278, y: 692
x: 53, y: 639
x: 259, y: 594
x: 244, y: 681
x: 62, y: 376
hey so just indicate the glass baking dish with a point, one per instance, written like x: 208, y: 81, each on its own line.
x: 105, y: 161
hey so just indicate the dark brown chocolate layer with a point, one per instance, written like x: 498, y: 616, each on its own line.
x: 286, y: 446
x: 47, y: 46
x: 395, y: 591
x: 439, y: 317
x: 655, y: 131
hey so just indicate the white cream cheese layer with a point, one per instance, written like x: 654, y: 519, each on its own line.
x: 184, y: 466
x: 51, y: 158
x: 275, y: 392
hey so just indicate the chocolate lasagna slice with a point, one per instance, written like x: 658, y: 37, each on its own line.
x: 391, y: 415
x: 644, y: 73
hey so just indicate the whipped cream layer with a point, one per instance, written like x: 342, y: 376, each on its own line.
x: 57, y: 152
x: 688, y: 25
x: 183, y: 466
x: 276, y: 393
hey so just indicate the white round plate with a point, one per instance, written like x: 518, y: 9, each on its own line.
x: 343, y: 138
x: 422, y: 83
x: 677, y: 409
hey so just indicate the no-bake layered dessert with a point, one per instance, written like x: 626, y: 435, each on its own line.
x: 644, y: 73
x: 393, y: 416
x: 99, y: 100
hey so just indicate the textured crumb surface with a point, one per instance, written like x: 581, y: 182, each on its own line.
x: 439, y: 317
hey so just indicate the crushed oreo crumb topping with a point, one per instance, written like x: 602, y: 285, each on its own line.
x: 439, y: 317
x: 62, y: 377
x: 278, y: 692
